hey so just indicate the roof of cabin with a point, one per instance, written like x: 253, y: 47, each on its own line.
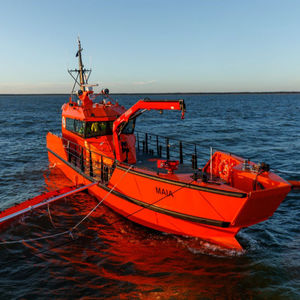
x: 96, y: 111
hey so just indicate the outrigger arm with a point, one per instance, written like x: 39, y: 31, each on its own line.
x: 135, y: 111
x: 42, y: 200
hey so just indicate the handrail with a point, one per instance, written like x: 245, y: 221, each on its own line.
x: 94, y: 164
x: 100, y: 166
x: 93, y: 152
x: 170, y: 148
x: 163, y: 136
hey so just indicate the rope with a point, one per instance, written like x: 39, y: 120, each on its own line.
x: 35, y: 239
x: 77, y: 237
x: 74, y: 227
x: 50, y: 217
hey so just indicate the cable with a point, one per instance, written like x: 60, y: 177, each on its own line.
x: 74, y: 227
x: 83, y: 219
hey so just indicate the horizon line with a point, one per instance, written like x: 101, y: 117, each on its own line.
x: 158, y: 93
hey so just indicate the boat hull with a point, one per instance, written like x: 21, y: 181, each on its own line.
x: 150, y: 218
x: 171, y: 206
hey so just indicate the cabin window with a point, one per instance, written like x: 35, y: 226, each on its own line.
x: 79, y: 127
x: 97, y: 128
x: 75, y: 126
x: 129, y: 128
x: 70, y: 124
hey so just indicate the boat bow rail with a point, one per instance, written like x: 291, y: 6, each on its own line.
x: 90, y: 163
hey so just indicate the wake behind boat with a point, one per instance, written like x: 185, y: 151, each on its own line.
x: 139, y: 180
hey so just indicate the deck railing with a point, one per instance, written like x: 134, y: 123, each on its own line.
x: 170, y: 148
x: 91, y: 163
x: 101, y: 167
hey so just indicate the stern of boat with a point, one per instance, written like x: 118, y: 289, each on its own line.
x: 265, y: 189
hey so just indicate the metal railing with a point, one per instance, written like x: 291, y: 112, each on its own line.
x: 91, y: 163
x: 101, y: 167
x: 170, y: 149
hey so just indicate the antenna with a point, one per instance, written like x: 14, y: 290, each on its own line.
x: 82, y: 74
x: 81, y: 69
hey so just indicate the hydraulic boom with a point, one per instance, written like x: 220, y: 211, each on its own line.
x: 135, y: 111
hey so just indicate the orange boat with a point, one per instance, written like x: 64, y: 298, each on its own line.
x: 138, y: 179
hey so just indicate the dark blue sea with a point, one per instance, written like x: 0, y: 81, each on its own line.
x: 116, y: 259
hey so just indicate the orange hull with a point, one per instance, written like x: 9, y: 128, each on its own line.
x: 177, y: 204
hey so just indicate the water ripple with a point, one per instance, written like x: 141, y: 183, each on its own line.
x: 128, y: 261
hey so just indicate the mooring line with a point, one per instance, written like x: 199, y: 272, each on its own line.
x: 100, y: 202
x: 35, y: 239
x: 69, y: 232
x: 50, y: 217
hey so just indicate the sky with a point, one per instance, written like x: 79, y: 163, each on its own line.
x: 143, y: 46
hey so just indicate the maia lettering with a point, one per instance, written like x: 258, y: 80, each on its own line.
x: 162, y: 191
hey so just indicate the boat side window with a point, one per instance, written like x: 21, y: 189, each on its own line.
x: 75, y: 126
x: 97, y: 128
x: 129, y: 128
x: 70, y: 124
x: 79, y: 127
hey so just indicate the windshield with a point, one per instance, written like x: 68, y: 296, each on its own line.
x: 94, y: 129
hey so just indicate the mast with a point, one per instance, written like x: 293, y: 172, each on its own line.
x: 81, y: 70
x: 82, y: 75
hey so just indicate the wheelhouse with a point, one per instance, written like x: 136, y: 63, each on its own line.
x: 91, y: 129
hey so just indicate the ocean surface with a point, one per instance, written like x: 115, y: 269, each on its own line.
x: 111, y: 257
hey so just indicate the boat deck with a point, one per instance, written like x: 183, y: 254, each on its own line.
x: 149, y: 162
x: 184, y: 173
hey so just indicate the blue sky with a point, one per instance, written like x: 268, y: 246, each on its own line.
x: 151, y: 46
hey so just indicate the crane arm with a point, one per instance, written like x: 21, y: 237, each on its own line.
x: 135, y: 109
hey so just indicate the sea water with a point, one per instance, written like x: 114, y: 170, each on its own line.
x: 111, y: 257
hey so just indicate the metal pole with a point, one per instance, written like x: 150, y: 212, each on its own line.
x: 194, y: 159
x: 102, y: 169
x: 75, y: 155
x: 180, y: 152
x: 91, y: 165
x: 45, y: 201
x: 167, y: 148
x: 146, y: 141
x: 81, y: 70
x: 81, y: 161
x: 69, y: 153
x: 210, y: 164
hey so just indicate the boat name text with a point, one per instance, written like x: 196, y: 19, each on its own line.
x: 163, y: 191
